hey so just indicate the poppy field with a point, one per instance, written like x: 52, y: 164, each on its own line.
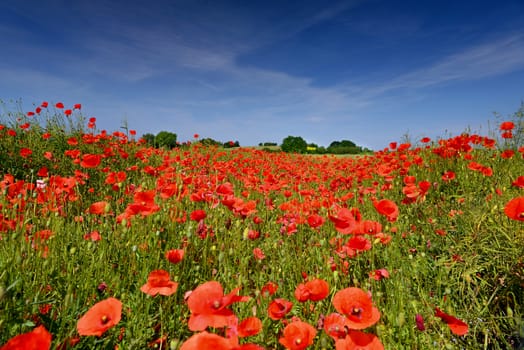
x: 108, y: 243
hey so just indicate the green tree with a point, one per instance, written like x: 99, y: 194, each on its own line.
x: 347, y: 143
x: 165, y: 139
x: 334, y: 144
x: 294, y: 144
x: 344, y: 147
x: 210, y: 142
x: 231, y: 144
x: 149, y: 138
x: 343, y: 143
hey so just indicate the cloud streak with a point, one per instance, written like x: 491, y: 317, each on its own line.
x: 496, y: 57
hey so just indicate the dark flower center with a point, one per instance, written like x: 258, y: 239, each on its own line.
x: 357, y: 311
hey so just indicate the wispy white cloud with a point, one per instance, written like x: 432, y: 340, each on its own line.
x: 212, y: 41
x: 305, y: 18
x: 498, y: 56
x: 20, y: 78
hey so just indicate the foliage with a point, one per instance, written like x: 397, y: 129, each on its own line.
x: 103, y: 237
x: 149, y: 139
x: 231, y: 144
x: 343, y: 143
x: 297, y: 144
x: 166, y: 139
x: 344, y: 147
x: 294, y: 144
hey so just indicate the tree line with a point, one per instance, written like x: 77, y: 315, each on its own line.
x: 167, y: 139
x: 291, y: 144
x: 296, y: 144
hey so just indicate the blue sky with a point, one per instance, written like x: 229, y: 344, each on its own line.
x: 258, y: 71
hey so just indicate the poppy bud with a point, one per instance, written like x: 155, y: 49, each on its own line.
x: 419, y: 320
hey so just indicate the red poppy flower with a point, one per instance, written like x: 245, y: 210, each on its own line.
x: 252, y: 234
x: 357, y: 306
x: 379, y: 274
x: 225, y: 189
x: 90, y: 160
x: 77, y: 106
x: 298, y: 335
x: 448, y: 176
x: 38, y: 339
x: 43, y: 234
x: 44, y: 104
x: 487, y: 171
x: 344, y: 221
x: 175, y: 255
x: 404, y: 146
x: 388, y: 208
x: 99, y: 208
x: 93, y: 236
x: 249, y: 327
x: 168, y: 191
x: 383, y: 238
x: 314, y: 290
x: 507, y: 154
x: 335, y: 325
x: 146, y: 198
x: 301, y: 293
x: 258, y: 253
x: 115, y: 178
x: 519, y: 182
x: 158, y: 282
x: 198, y: 215
x: 58, y: 105
x: 279, y: 308
x: 315, y: 220
x: 144, y: 204
x: 368, y: 227
x: 507, y: 126
x: 205, y: 340
x: 68, y: 112
x: 269, y: 288
x: 100, y: 317
x: 43, y: 172
x: 359, y: 340
x: 456, y: 326
x: 209, y: 306
x: 514, y: 209
x: 25, y: 152
x: 359, y: 243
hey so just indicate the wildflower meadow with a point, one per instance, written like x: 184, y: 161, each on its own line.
x: 109, y: 243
